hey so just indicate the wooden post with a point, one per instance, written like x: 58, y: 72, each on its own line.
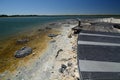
x: 79, y: 23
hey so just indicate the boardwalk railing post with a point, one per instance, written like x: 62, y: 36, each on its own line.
x: 79, y: 23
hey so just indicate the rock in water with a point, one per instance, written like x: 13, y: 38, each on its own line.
x: 52, y: 35
x: 48, y: 28
x: 24, y: 51
x: 22, y: 41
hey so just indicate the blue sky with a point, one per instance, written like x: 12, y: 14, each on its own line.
x: 44, y: 7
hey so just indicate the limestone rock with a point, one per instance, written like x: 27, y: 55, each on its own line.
x: 24, y: 51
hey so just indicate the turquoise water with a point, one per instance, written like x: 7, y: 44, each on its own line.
x: 14, y: 25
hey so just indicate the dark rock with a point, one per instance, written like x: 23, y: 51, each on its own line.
x: 63, y: 68
x: 34, y: 48
x: 24, y: 51
x: 77, y: 78
x: 67, y: 25
x: 53, y: 41
x: 75, y: 69
x: 52, y: 24
x: 52, y: 72
x: 70, y: 36
x: 16, y: 75
x: 77, y: 29
x: 48, y: 28
x: 74, y: 48
x: 52, y: 35
x: 117, y: 26
x: 73, y: 75
x: 93, y: 23
x: 52, y: 67
x: 69, y: 64
x: 40, y: 29
x: 68, y: 71
x: 58, y: 52
x: 22, y: 41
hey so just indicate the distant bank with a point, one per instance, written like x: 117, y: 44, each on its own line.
x: 13, y: 24
x: 97, y: 15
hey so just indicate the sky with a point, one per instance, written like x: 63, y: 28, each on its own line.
x: 59, y: 7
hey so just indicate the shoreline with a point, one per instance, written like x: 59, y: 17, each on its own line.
x: 51, y: 64
x: 44, y: 63
x: 59, y: 50
x: 38, y: 42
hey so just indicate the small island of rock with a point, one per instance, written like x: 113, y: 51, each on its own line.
x: 24, y: 51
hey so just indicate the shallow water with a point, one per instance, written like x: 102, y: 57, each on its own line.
x: 9, y: 34
x: 14, y: 26
x: 38, y: 42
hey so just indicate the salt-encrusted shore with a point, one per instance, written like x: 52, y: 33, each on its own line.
x: 108, y: 20
x: 65, y: 45
x: 50, y: 68
x: 61, y: 50
x: 60, y: 53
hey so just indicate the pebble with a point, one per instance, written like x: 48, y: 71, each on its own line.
x: 52, y: 41
x: 69, y: 64
x: 69, y: 36
x: 63, y: 66
x: 74, y: 48
x: 62, y: 69
x: 77, y: 78
x: 72, y: 75
x: 52, y: 72
x: 16, y: 75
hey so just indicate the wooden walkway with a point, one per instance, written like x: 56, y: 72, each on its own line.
x: 99, y: 55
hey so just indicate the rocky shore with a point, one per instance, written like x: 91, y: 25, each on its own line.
x: 59, y: 60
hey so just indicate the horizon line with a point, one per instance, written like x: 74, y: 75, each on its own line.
x: 55, y: 14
